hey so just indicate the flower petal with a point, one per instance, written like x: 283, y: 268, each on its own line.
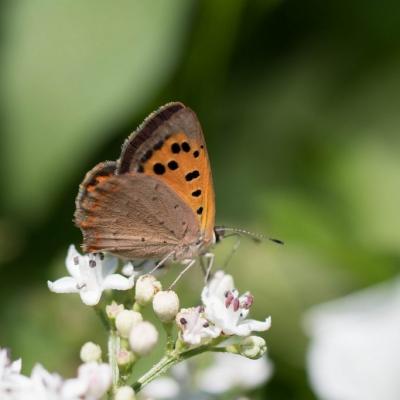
x: 118, y: 282
x: 74, y: 388
x: 90, y: 297
x: 63, y: 285
x: 109, y: 264
x: 250, y: 325
x: 72, y: 261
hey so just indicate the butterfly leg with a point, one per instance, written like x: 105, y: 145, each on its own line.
x: 231, y: 254
x: 189, y: 264
x: 210, y: 258
x: 163, y: 261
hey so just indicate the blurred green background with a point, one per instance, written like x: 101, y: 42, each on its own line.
x: 299, y: 102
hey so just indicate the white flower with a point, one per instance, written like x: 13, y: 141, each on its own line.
x: 43, y: 385
x: 231, y: 371
x: 195, y: 329
x: 166, y: 305
x: 227, y: 372
x: 11, y: 380
x: 90, y: 352
x: 227, y: 310
x: 90, y: 275
x: 162, y: 388
x: 143, y: 338
x: 146, y: 287
x: 92, y: 382
x: 126, y: 320
x: 355, y: 348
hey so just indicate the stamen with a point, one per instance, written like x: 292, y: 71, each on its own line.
x: 92, y: 263
x: 248, y: 301
x: 236, y: 304
x: 79, y: 287
x: 229, y: 299
x: 206, y: 325
x: 183, y: 321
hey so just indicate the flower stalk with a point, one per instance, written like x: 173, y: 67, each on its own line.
x: 113, y: 349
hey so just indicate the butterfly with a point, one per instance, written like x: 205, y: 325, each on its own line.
x: 157, y: 200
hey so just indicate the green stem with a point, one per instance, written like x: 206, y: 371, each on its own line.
x: 170, y: 345
x: 174, y: 357
x: 113, y: 348
x: 103, y: 318
x: 158, y: 369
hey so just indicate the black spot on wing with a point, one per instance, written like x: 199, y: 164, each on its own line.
x: 196, y: 193
x: 185, y: 147
x: 173, y: 165
x: 159, y: 169
x: 192, y: 175
x: 175, y: 148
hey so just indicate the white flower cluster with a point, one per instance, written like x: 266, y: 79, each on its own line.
x: 223, y: 312
x: 226, y: 373
x: 92, y: 382
x: 220, y: 323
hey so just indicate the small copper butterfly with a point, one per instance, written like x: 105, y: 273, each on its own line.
x: 157, y: 200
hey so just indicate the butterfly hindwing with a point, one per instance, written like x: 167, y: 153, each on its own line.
x: 135, y: 216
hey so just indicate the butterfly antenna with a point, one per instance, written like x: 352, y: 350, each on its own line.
x: 222, y: 232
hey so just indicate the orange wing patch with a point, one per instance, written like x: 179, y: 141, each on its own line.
x: 183, y: 164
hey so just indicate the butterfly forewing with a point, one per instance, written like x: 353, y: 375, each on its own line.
x: 170, y: 146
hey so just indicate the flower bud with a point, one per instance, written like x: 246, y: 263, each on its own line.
x: 143, y: 338
x: 146, y: 287
x: 252, y: 347
x: 125, y: 359
x: 166, y: 305
x: 128, y: 269
x: 113, y: 309
x: 90, y: 352
x: 125, y: 320
x: 125, y: 393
